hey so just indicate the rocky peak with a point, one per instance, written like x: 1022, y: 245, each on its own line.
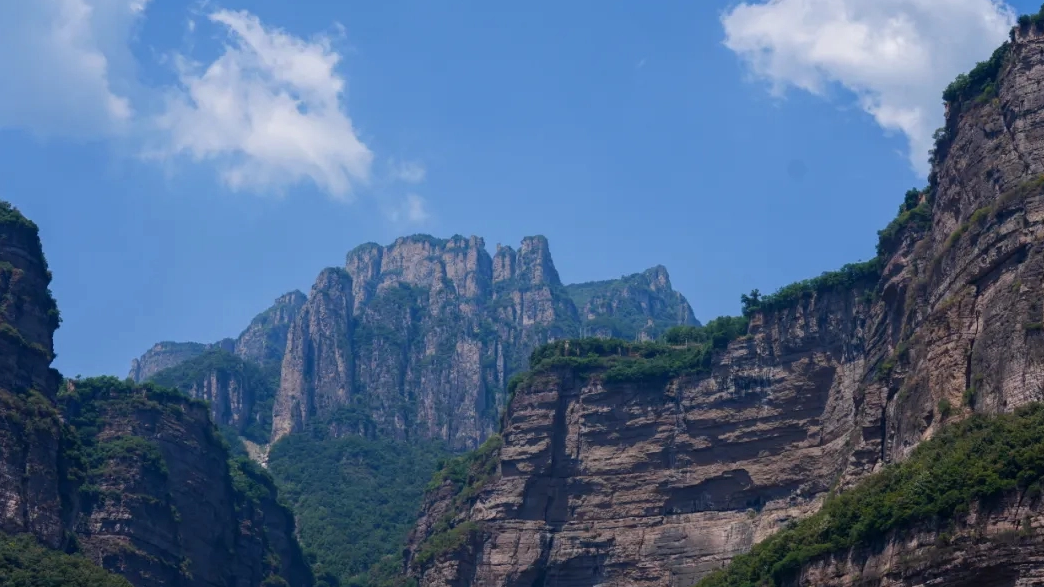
x: 658, y: 278
x: 164, y: 355
x: 659, y: 474
x: 318, y: 367
x: 638, y: 306
x: 30, y: 429
x: 504, y: 264
x: 422, y: 261
x: 534, y: 264
x: 264, y: 340
x: 28, y: 313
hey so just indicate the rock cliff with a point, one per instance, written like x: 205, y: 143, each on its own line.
x: 133, y: 478
x: 416, y: 339
x: 436, y: 329
x: 641, y: 306
x: 661, y: 476
x: 240, y: 392
x: 161, y: 502
x: 30, y: 430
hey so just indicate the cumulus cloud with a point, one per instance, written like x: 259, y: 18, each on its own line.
x: 412, y: 210
x: 268, y: 111
x: 65, y: 65
x: 896, y: 56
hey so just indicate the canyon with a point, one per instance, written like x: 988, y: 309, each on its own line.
x: 663, y: 479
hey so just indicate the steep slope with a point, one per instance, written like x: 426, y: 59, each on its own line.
x: 438, y: 327
x: 240, y: 392
x: 435, y: 328
x: 132, y: 479
x: 652, y: 475
x: 167, y: 354
x: 641, y: 306
x: 964, y: 509
x: 31, y: 432
x: 162, y: 504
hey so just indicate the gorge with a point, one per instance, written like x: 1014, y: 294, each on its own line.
x: 431, y: 414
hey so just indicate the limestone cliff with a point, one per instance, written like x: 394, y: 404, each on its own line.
x: 657, y: 481
x: 240, y: 393
x: 641, y: 306
x: 264, y: 340
x: 434, y: 330
x: 162, y: 504
x: 30, y: 429
x: 167, y: 354
x: 135, y: 479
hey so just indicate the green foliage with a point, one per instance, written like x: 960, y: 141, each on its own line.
x: 442, y: 542
x: 848, y: 277
x: 980, y: 81
x: 1031, y: 21
x: 718, y: 332
x: 469, y: 472
x: 11, y: 216
x: 128, y: 451
x: 468, y: 475
x: 620, y: 361
x: 970, y: 462
x: 262, y: 384
x: 355, y: 498
x: 945, y: 408
x: 913, y: 214
x: 90, y: 457
x: 12, y: 334
x: 26, y: 563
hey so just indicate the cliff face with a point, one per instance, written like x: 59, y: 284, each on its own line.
x: 433, y: 331
x: 161, y: 503
x: 240, y: 392
x: 30, y: 430
x: 317, y: 368
x: 656, y: 483
x: 134, y: 479
x: 264, y: 340
x: 635, y: 307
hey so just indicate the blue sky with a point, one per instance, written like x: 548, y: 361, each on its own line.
x: 188, y: 162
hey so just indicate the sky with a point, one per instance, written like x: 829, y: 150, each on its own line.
x: 189, y: 161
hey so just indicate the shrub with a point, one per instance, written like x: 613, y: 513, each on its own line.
x: 970, y: 462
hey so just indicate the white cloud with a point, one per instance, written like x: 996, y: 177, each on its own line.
x: 409, y: 171
x: 268, y: 111
x: 412, y: 210
x: 895, y: 55
x: 64, y: 65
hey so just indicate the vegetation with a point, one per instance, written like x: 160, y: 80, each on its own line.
x: 969, y: 463
x: 914, y: 213
x: 12, y: 218
x: 980, y: 82
x: 260, y: 383
x: 26, y: 563
x: 339, y: 489
x: 467, y: 474
x: 850, y: 276
x: 622, y: 314
x: 621, y: 361
x: 718, y: 332
x: 1034, y: 21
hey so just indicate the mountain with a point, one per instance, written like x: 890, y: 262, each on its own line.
x: 624, y: 463
x: 641, y: 306
x: 112, y: 483
x: 416, y: 339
